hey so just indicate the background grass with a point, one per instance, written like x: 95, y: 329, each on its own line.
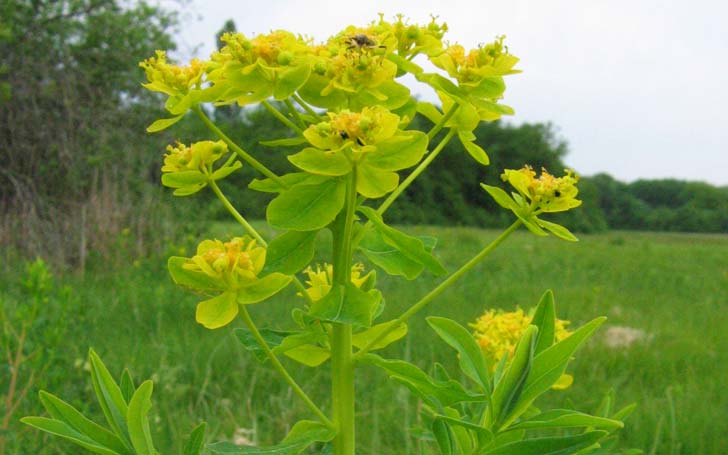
x: 674, y: 287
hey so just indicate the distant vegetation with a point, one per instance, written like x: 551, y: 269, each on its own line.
x: 78, y: 168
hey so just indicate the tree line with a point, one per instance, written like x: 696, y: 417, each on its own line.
x: 79, y: 169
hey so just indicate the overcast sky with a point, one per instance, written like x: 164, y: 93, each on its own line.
x: 639, y: 89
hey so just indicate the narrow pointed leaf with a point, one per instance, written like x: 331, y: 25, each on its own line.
x: 197, y: 440
x: 545, y: 319
x: 110, y: 397
x: 65, y: 431
x: 470, y: 356
x: 138, y: 421
x: 556, y: 445
x: 127, y: 385
x: 566, y: 418
x: 557, y: 230
x: 163, y: 124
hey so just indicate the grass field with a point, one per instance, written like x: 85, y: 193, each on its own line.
x: 671, y: 288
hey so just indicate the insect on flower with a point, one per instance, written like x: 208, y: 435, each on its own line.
x: 362, y: 41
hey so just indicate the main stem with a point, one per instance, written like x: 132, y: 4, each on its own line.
x: 342, y: 365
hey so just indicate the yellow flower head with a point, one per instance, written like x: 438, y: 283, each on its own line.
x: 197, y: 157
x: 171, y: 79
x: 368, y: 127
x: 470, y: 68
x: 278, y: 48
x: 321, y: 278
x: 236, y: 262
x: 498, y: 332
x: 546, y: 192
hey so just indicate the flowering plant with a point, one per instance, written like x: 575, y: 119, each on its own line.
x: 349, y: 112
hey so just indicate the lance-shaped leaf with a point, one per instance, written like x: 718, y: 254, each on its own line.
x: 302, y: 435
x: 501, y: 197
x: 109, y: 397
x: 347, y: 305
x: 163, y: 123
x: 411, y: 247
x: 507, y: 391
x: 364, y: 337
x: 138, y: 421
x: 444, y: 437
x: 307, y: 207
x: 127, y: 385
x: 565, y: 418
x: 470, y: 356
x: 555, y: 445
x: 64, y: 412
x: 557, y: 230
x: 436, y: 393
x: 62, y: 429
x: 548, y: 366
x: 545, y: 319
x: 197, y: 440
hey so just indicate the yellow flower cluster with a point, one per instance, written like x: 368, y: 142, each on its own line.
x: 196, y: 157
x: 498, y: 332
x: 321, y: 278
x: 546, y: 192
x: 277, y: 48
x: 368, y: 127
x: 236, y: 262
x: 489, y: 60
x: 171, y: 79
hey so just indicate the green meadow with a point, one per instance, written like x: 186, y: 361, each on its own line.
x: 664, y: 346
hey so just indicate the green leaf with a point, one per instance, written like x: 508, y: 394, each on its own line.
x: 565, y: 418
x: 555, y: 445
x: 403, y: 64
x: 262, y: 288
x: 489, y: 87
x: 470, y: 356
x: 290, y: 252
x: 226, y: 170
x: 217, y: 311
x: 441, y: 84
x: 302, y: 435
x: 388, y: 257
x: 557, y: 230
x: 292, y: 179
x: 127, y: 385
x: 163, y: 123
x: 483, y: 433
x: 436, y: 393
x: 62, y: 429
x: 192, y: 279
x: 272, y: 338
x: 507, y: 391
x: 310, y: 355
x: 64, y: 412
x: 307, y: 207
x: 500, y: 196
x: 411, y: 247
x: 399, y: 152
x: 444, y: 437
x: 549, y: 365
x: 545, y: 319
x: 331, y: 163
x: 290, y: 80
x: 183, y: 179
x: 429, y: 110
x: 109, y: 397
x: 196, y: 441
x: 138, y: 421
x: 373, y: 182
x: 476, y: 152
x: 363, y: 338
x: 347, y: 305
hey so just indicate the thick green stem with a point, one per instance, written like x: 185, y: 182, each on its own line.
x: 440, y: 288
x: 342, y: 366
x: 277, y: 114
x: 414, y: 174
x: 260, y: 167
x: 280, y: 369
